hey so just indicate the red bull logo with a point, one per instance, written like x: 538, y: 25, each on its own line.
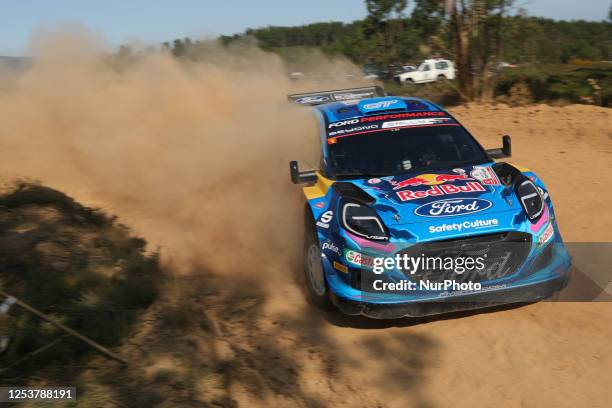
x: 430, y: 180
x: 445, y: 189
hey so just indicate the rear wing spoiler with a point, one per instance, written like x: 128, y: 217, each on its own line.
x: 317, y: 98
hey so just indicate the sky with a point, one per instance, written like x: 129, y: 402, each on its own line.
x: 155, y: 21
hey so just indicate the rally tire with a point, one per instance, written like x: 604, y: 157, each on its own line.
x: 314, y: 274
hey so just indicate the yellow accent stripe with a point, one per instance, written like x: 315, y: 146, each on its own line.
x: 319, y: 189
x: 519, y: 168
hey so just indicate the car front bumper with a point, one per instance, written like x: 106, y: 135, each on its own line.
x: 521, y: 294
x: 532, y: 282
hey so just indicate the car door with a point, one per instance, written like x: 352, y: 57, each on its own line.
x: 427, y: 73
x: 442, y: 69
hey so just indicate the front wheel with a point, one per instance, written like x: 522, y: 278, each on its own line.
x: 316, y: 284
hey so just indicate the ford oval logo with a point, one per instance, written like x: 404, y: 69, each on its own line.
x: 452, y: 207
x: 313, y: 99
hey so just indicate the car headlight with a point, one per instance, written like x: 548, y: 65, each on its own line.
x: 363, y: 221
x: 530, y: 198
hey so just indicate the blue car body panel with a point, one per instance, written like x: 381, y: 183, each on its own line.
x: 423, y: 208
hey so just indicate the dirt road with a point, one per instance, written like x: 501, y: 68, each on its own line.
x: 255, y: 343
x: 545, y: 354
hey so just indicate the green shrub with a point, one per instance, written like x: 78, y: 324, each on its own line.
x: 74, y: 263
x: 549, y: 83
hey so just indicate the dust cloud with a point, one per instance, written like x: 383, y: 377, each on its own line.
x: 192, y: 155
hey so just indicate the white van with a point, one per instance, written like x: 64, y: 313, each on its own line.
x: 430, y: 70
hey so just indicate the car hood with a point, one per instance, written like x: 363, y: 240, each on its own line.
x: 439, y: 195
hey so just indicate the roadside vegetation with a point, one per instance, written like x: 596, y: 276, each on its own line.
x: 499, y: 51
x: 76, y: 265
x: 557, y: 84
x: 575, y: 82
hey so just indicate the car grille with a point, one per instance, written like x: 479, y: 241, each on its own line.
x: 502, y: 255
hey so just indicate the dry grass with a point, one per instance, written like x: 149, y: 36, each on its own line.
x: 71, y: 262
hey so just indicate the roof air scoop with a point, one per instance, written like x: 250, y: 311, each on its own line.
x: 377, y: 105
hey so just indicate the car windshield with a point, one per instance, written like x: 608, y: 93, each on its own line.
x: 396, y: 151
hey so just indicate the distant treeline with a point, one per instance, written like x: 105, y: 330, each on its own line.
x: 526, y: 39
x: 480, y: 36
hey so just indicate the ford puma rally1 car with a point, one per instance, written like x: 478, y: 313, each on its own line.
x: 408, y: 215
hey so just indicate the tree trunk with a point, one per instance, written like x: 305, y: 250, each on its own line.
x: 490, y: 89
x: 475, y: 32
x: 461, y: 41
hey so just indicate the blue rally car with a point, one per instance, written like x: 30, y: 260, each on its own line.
x: 408, y: 215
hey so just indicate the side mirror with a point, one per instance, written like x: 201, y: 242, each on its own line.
x: 301, y: 177
x: 505, y: 151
